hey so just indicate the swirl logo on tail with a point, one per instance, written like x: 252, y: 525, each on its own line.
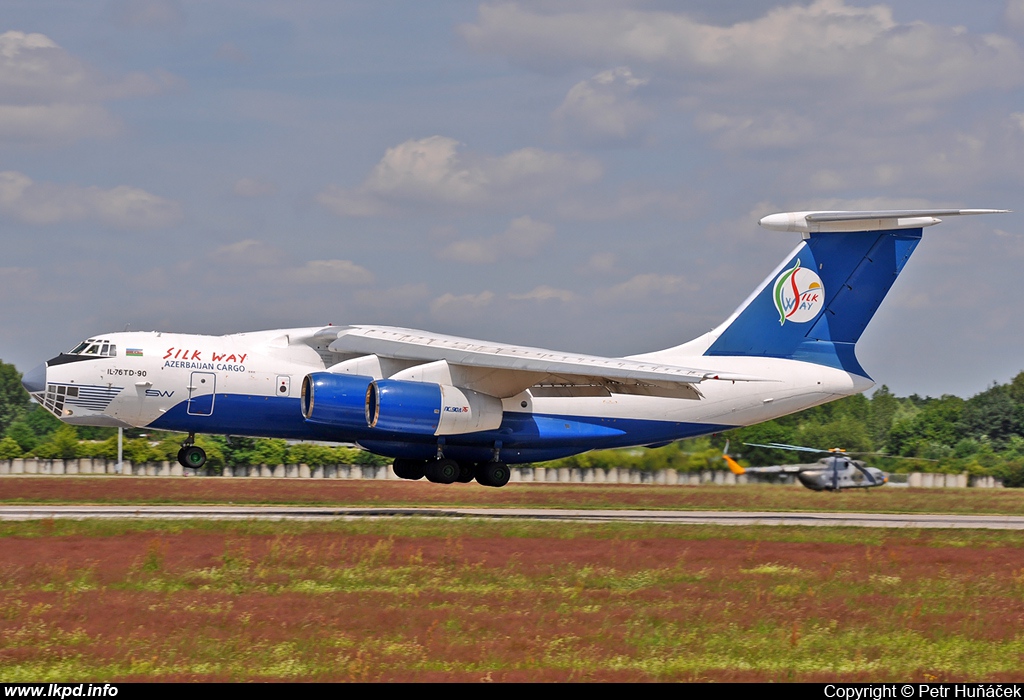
x: 799, y: 295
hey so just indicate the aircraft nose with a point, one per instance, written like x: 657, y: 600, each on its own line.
x: 34, y: 380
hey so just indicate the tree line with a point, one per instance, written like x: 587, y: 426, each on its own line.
x: 982, y: 435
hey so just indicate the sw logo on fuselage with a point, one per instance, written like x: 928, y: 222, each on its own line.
x: 799, y: 295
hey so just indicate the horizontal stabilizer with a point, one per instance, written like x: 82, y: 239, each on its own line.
x: 886, y: 220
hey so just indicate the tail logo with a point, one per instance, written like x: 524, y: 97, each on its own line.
x: 799, y: 295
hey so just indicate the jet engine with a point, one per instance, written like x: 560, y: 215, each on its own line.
x: 335, y: 399
x: 425, y: 408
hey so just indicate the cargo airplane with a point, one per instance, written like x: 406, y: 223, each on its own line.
x: 455, y: 409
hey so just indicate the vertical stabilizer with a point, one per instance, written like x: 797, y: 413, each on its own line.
x: 817, y: 303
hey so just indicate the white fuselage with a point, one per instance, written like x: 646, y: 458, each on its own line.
x: 248, y: 383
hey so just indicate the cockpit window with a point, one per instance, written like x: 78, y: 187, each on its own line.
x: 92, y: 346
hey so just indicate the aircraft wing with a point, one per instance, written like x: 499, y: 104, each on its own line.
x: 509, y: 369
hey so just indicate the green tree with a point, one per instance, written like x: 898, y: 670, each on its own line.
x: 764, y: 433
x: 9, y: 449
x: 140, y: 450
x: 21, y: 433
x: 105, y: 449
x: 14, y: 400
x: 991, y: 414
x: 935, y: 426
x: 883, y: 410
x: 41, y: 421
x: 214, y: 451
x: 271, y: 452
x: 847, y: 432
x: 61, y: 444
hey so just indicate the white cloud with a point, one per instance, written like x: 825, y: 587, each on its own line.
x: 647, y: 285
x: 523, y: 238
x: 827, y: 179
x: 270, y: 263
x: 61, y: 122
x: 47, y: 95
x: 248, y: 252
x: 254, y: 187
x: 545, y: 293
x: 602, y: 109
x: 828, y: 43
x: 600, y: 264
x: 450, y: 305
x: 332, y: 271
x: 433, y: 171
x: 773, y: 129
x: 47, y: 203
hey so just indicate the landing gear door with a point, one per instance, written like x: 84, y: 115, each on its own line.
x: 201, y: 391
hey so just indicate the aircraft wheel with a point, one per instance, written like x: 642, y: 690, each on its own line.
x: 466, y: 472
x: 192, y: 457
x: 409, y: 468
x: 493, y: 474
x: 442, y: 471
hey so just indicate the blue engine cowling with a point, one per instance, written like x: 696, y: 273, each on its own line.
x: 335, y: 399
x: 424, y: 408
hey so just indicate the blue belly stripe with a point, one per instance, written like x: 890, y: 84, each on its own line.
x: 524, y: 437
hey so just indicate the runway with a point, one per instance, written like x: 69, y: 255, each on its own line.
x: 674, y: 517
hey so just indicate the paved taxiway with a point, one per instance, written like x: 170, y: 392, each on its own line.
x: 998, y: 522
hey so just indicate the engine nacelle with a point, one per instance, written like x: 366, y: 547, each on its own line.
x: 429, y: 409
x: 335, y: 399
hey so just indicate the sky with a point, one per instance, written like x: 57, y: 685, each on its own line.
x: 583, y: 175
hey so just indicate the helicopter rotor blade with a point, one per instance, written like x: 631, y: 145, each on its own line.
x: 799, y: 448
x: 870, y: 477
x: 783, y: 446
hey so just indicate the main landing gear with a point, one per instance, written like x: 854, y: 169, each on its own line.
x: 448, y: 471
x: 191, y: 456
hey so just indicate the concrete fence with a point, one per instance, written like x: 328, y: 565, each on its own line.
x: 561, y: 475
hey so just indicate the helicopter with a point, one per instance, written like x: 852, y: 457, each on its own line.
x: 835, y: 472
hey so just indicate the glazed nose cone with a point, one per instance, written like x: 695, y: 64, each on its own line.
x: 34, y: 380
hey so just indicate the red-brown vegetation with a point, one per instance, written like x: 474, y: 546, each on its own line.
x: 113, y: 490
x: 331, y: 604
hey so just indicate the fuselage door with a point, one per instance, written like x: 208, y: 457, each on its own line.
x: 201, y: 390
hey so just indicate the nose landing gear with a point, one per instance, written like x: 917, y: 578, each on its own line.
x: 190, y: 456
